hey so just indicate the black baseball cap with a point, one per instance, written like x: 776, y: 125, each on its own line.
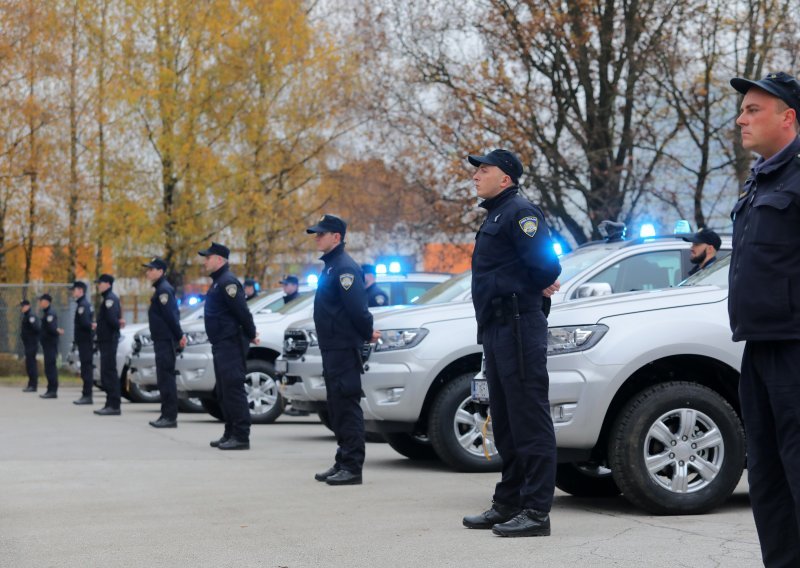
x: 781, y: 85
x: 705, y: 236
x: 249, y: 282
x: 368, y: 268
x: 329, y: 224
x: 24, y: 303
x: 156, y: 263
x: 78, y: 284
x: 290, y: 279
x: 47, y: 297
x: 217, y: 249
x: 105, y: 278
x: 503, y: 159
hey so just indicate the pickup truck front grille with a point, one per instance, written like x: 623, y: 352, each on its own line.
x: 295, y: 343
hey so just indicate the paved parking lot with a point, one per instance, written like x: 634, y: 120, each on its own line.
x: 87, y: 491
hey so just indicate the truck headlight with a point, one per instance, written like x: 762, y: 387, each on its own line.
x: 144, y: 339
x: 394, y: 339
x: 312, y: 338
x: 573, y: 338
x: 196, y: 338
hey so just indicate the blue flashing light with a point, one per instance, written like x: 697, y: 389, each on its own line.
x: 682, y: 226
x: 312, y: 280
x: 380, y: 268
x: 193, y: 300
x: 647, y: 230
x: 394, y: 267
x: 558, y: 248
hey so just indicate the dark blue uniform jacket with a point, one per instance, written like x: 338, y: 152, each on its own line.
x: 376, y: 297
x: 83, y: 320
x: 163, y: 314
x: 108, y: 317
x: 49, y: 333
x: 225, y: 312
x: 341, y: 317
x: 764, y: 277
x: 30, y: 327
x: 513, y: 255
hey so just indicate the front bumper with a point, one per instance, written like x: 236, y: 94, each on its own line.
x: 142, y: 367
x: 195, y: 371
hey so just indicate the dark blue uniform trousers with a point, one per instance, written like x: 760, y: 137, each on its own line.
x: 230, y: 370
x: 342, y: 371
x: 50, y: 350
x: 769, y: 390
x: 85, y: 355
x: 30, y: 364
x: 165, y: 376
x: 108, y: 372
x: 520, y: 410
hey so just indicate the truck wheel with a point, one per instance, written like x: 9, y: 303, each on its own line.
x: 211, y: 406
x: 410, y: 446
x: 190, y: 405
x: 263, y: 396
x: 455, y: 427
x: 677, y: 448
x: 139, y: 393
x: 586, y: 480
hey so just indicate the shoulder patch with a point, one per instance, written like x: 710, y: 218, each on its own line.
x: 49, y: 318
x: 231, y: 290
x: 346, y: 280
x: 380, y: 299
x: 32, y: 319
x: 529, y: 225
x: 109, y: 303
x: 81, y: 310
x: 163, y: 298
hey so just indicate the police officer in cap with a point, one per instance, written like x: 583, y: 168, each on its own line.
x: 290, y: 288
x: 30, y: 329
x: 343, y: 323
x: 109, y: 322
x: 166, y: 333
x: 764, y: 309
x: 49, y: 340
x: 514, y: 271
x: 375, y: 296
x: 703, y: 252
x: 84, y: 340
x: 250, y: 291
x: 229, y: 325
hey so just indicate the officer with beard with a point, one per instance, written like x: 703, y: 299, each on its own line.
x: 704, y: 249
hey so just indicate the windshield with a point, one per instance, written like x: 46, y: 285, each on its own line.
x: 186, y: 310
x: 579, y: 260
x: 714, y: 275
x: 303, y: 300
x: 447, y: 290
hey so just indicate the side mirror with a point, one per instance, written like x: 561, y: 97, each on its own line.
x: 593, y: 289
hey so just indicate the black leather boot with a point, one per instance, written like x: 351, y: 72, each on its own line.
x: 499, y: 513
x: 529, y: 522
x: 326, y: 474
x: 344, y: 477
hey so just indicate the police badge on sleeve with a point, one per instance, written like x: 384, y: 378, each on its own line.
x: 49, y: 318
x: 32, y: 319
x: 163, y: 298
x: 231, y: 290
x: 109, y: 303
x: 346, y: 280
x: 529, y: 225
x: 80, y: 310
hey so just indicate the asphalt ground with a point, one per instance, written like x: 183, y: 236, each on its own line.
x: 87, y: 491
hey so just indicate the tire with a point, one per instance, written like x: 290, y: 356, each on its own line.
x: 190, y: 405
x: 263, y: 394
x: 455, y: 428
x: 586, y: 480
x: 211, y: 406
x: 677, y: 427
x: 140, y: 393
x: 410, y: 446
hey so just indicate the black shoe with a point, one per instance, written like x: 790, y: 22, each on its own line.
x: 163, y: 423
x: 108, y: 411
x: 233, y: 444
x: 29, y: 388
x: 499, y: 513
x: 326, y: 474
x: 83, y: 400
x: 344, y: 477
x: 529, y: 522
x: 48, y: 395
x: 216, y: 443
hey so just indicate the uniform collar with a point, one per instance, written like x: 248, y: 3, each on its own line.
x: 106, y: 293
x: 333, y: 254
x: 219, y: 271
x: 771, y: 164
x: 158, y: 282
x: 500, y: 198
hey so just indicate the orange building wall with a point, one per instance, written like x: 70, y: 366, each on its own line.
x: 447, y: 257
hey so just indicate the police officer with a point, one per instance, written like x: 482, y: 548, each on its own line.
x: 703, y: 252
x: 375, y: 296
x: 166, y: 333
x: 512, y: 264
x: 343, y: 323
x: 229, y: 325
x: 290, y: 285
x: 49, y: 340
x: 30, y: 328
x: 84, y: 340
x: 250, y: 291
x: 109, y: 320
x: 764, y: 310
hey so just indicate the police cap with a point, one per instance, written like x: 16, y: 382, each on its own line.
x: 107, y: 278
x: 329, y: 224
x: 290, y: 279
x: 217, y: 249
x: 249, y: 282
x: 47, y: 297
x: 705, y: 236
x: 503, y: 159
x: 78, y: 284
x: 781, y: 85
x: 24, y: 303
x: 156, y: 263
